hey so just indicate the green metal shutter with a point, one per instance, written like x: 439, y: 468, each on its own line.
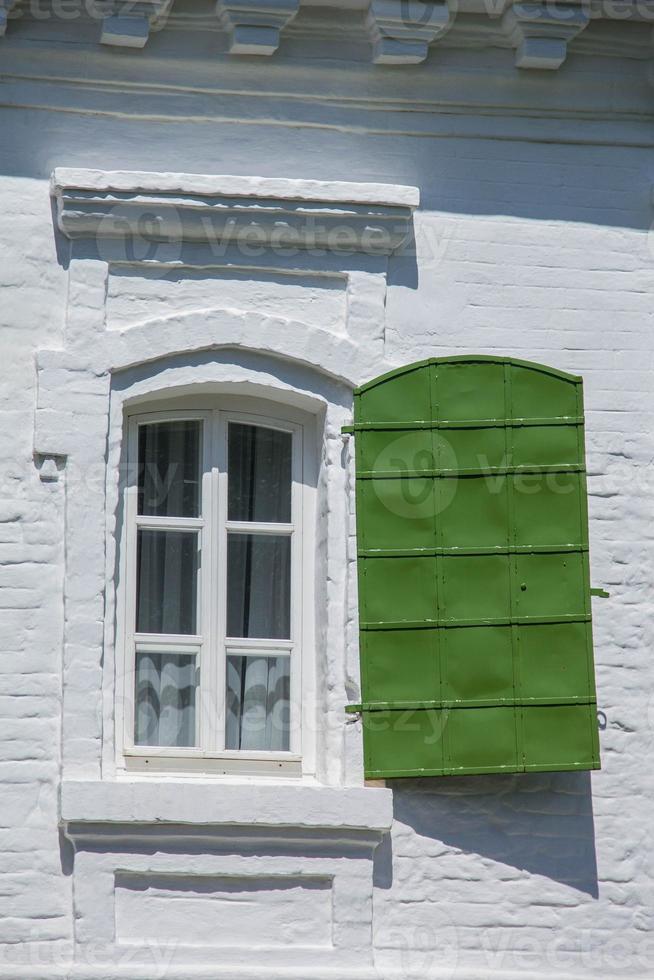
x: 474, y: 592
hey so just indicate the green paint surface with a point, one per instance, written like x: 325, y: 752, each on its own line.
x: 474, y: 592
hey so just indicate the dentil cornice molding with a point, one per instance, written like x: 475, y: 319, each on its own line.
x: 541, y: 32
x: 399, y: 32
x: 6, y: 6
x: 128, y: 24
x: 402, y: 30
x: 254, y: 26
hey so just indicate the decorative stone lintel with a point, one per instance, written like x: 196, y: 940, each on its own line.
x: 402, y: 30
x: 541, y: 32
x: 254, y: 26
x: 248, y: 212
x: 6, y: 7
x: 129, y: 25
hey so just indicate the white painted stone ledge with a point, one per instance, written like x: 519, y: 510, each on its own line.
x: 329, y: 191
x: 317, y: 972
x: 314, y: 971
x: 273, y: 213
x: 228, y: 804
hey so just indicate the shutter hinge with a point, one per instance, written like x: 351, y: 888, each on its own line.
x: 600, y: 593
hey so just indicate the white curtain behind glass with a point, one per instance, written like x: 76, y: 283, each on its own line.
x: 165, y: 699
x: 258, y: 692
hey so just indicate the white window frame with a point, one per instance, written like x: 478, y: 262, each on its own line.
x: 210, y: 644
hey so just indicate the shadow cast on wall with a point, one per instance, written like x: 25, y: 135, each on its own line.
x: 540, y: 823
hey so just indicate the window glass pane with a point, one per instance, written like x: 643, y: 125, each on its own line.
x: 169, y: 469
x: 165, y: 699
x: 258, y: 703
x: 167, y: 573
x: 259, y: 586
x: 259, y: 474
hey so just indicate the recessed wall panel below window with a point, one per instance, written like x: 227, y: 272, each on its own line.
x: 269, y: 911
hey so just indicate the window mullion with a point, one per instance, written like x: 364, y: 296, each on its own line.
x: 220, y: 577
x: 297, y: 624
x: 206, y: 574
x: 253, y: 645
x: 258, y: 527
x: 129, y: 652
x: 169, y: 523
x: 168, y: 641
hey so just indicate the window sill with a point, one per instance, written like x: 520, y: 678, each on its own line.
x: 196, y: 764
x: 212, y: 804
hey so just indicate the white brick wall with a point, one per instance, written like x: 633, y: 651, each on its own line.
x: 525, y: 246
x: 34, y: 889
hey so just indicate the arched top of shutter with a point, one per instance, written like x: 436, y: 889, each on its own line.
x: 469, y: 388
x: 470, y: 359
x: 473, y: 567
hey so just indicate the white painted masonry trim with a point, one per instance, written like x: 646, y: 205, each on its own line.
x: 401, y: 33
x: 250, y: 212
x: 328, y: 191
x: 128, y: 25
x: 320, y: 826
x: 541, y: 33
x: 132, y: 840
x: 6, y: 7
x: 574, y: 114
x: 56, y: 428
x: 83, y: 391
x: 284, y: 804
x: 254, y: 27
